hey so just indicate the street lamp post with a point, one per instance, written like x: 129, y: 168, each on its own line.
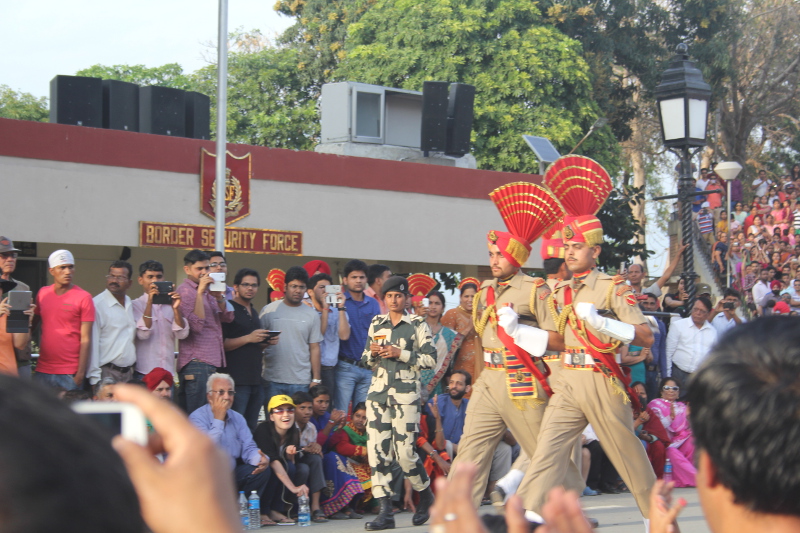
x: 728, y: 170
x: 222, y: 117
x: 682, y: 98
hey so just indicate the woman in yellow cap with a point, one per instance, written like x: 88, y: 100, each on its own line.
x: 279, y: 438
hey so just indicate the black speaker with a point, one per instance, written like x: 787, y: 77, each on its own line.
x: 198, y: 115
x: 76, y: 100
x: 162, y: 110
x: 459, y: 118
x: 120, y: 105
x: 434, y: 116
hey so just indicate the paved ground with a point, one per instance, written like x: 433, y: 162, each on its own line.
x: 616, y: 512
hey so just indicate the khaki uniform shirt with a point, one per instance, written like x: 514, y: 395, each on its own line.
x: 397, y: 381
x: 605, y: 292
x: 521, y: 291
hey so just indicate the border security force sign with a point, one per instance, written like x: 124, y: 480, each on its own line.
x: 237, y: 185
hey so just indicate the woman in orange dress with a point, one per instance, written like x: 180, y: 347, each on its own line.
x: 470, y: 356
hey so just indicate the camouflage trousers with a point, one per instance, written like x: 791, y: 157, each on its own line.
x: 391, y: 436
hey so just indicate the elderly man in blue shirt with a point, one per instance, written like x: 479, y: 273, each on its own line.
x: 228, y: 429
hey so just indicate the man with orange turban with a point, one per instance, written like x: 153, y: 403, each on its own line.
x: 592, y: 387
x: 509, y: 309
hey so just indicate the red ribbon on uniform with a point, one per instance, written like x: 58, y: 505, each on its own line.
x: 522, y: 355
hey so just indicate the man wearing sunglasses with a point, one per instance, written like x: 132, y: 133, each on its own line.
x: 228, y: 429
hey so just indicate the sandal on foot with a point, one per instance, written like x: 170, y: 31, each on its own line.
x: 317, y: 516
x: 339, y: 515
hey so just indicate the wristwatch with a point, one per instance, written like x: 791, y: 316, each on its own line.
x: 316, y: 381
x: 343, y: 308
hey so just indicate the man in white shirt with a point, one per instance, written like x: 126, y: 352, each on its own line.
x: 726, y: 314
x: 113, y: 354
x: 689, y: 340
x: 761, y: 183
x: 761, y: 289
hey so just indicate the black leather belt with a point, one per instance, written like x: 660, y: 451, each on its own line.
x: 118, y: 368
x: 350, y: 361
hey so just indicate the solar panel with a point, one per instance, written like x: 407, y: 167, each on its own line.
x: 543, y: 148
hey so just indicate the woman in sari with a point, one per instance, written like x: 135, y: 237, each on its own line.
x: 446, y: 341
x: 674, y: 417
x: 347, y: 469
x: 470, y: 355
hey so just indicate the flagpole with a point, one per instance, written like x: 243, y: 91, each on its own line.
x: 222, y: 115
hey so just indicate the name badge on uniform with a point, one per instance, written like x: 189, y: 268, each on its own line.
x: 497, y: 358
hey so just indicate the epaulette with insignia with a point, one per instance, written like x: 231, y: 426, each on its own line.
x: 625, y: 288
x: 538, y: 282
x: 619, y: 278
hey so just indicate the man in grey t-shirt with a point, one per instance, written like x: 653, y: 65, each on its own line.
x: 292, y: 365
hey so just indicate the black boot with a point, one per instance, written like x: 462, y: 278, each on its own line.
x: 384, y: 520
x: 423, y: 507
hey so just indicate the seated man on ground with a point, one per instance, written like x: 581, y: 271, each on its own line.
x: 228, y: 430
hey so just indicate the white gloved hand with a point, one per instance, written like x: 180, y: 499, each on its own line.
x: 508, y: 319
x: 587, y: 312
x: 616, y: 329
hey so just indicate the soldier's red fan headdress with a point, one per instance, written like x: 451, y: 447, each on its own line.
x: 528, y: 211
x: 419, y: 285
x: 276, y: 278
x: 582, y: 186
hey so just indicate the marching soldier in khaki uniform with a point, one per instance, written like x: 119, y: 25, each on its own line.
x: 398, y: 346
x: 552, y: 250
x: 512, y: 389
x: 592, y: 387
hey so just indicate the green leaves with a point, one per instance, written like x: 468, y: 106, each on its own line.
x: 22, y: 106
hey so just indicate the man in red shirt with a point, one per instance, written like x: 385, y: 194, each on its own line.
x: 66, y: 314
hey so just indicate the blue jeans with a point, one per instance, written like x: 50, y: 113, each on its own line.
x: 651, y: 384
x: 273, y: 388
x: 352, y: 384
x: 247, y: 403
x: 246, y: 481
x: 193, y: 377
x: 55, y: 380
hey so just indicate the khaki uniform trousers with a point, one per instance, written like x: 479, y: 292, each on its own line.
x: 585, y: 396
x: 573, y: 480
x: 489, y: 412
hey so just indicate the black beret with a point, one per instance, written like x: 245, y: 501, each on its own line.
x: 395, y: 284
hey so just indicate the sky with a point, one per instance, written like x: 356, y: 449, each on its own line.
x: 43, y: 38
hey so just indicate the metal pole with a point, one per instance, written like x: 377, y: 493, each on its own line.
x: 687, y: 224
x: 222, y: 116
x: 730, y: 212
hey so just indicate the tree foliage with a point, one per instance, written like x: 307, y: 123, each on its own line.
x: 529, y: 77
x: 169, y: 75
x: 268, y: 104
x: 22, y: 106
x: 620, y: 228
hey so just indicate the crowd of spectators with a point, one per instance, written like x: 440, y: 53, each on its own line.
x: 757, y: 236
x: 281, y: 390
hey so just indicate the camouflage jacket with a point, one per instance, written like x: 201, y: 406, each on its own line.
x: 397, y: 381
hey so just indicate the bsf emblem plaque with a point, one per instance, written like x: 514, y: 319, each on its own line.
x: 238, y: 171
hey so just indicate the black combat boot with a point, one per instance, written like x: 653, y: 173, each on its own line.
x: 384, y: 520
x: 423, y: 507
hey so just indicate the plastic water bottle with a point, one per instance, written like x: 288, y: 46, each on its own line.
x: 668, y: 471
x: 255, y: 511
x: 303, y: 512
x: 244, y: 511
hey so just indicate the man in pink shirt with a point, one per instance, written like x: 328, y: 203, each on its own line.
x: 158, y: 326
x: 375, y: 277
x: 202, y: 351
x: 66, y: 314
